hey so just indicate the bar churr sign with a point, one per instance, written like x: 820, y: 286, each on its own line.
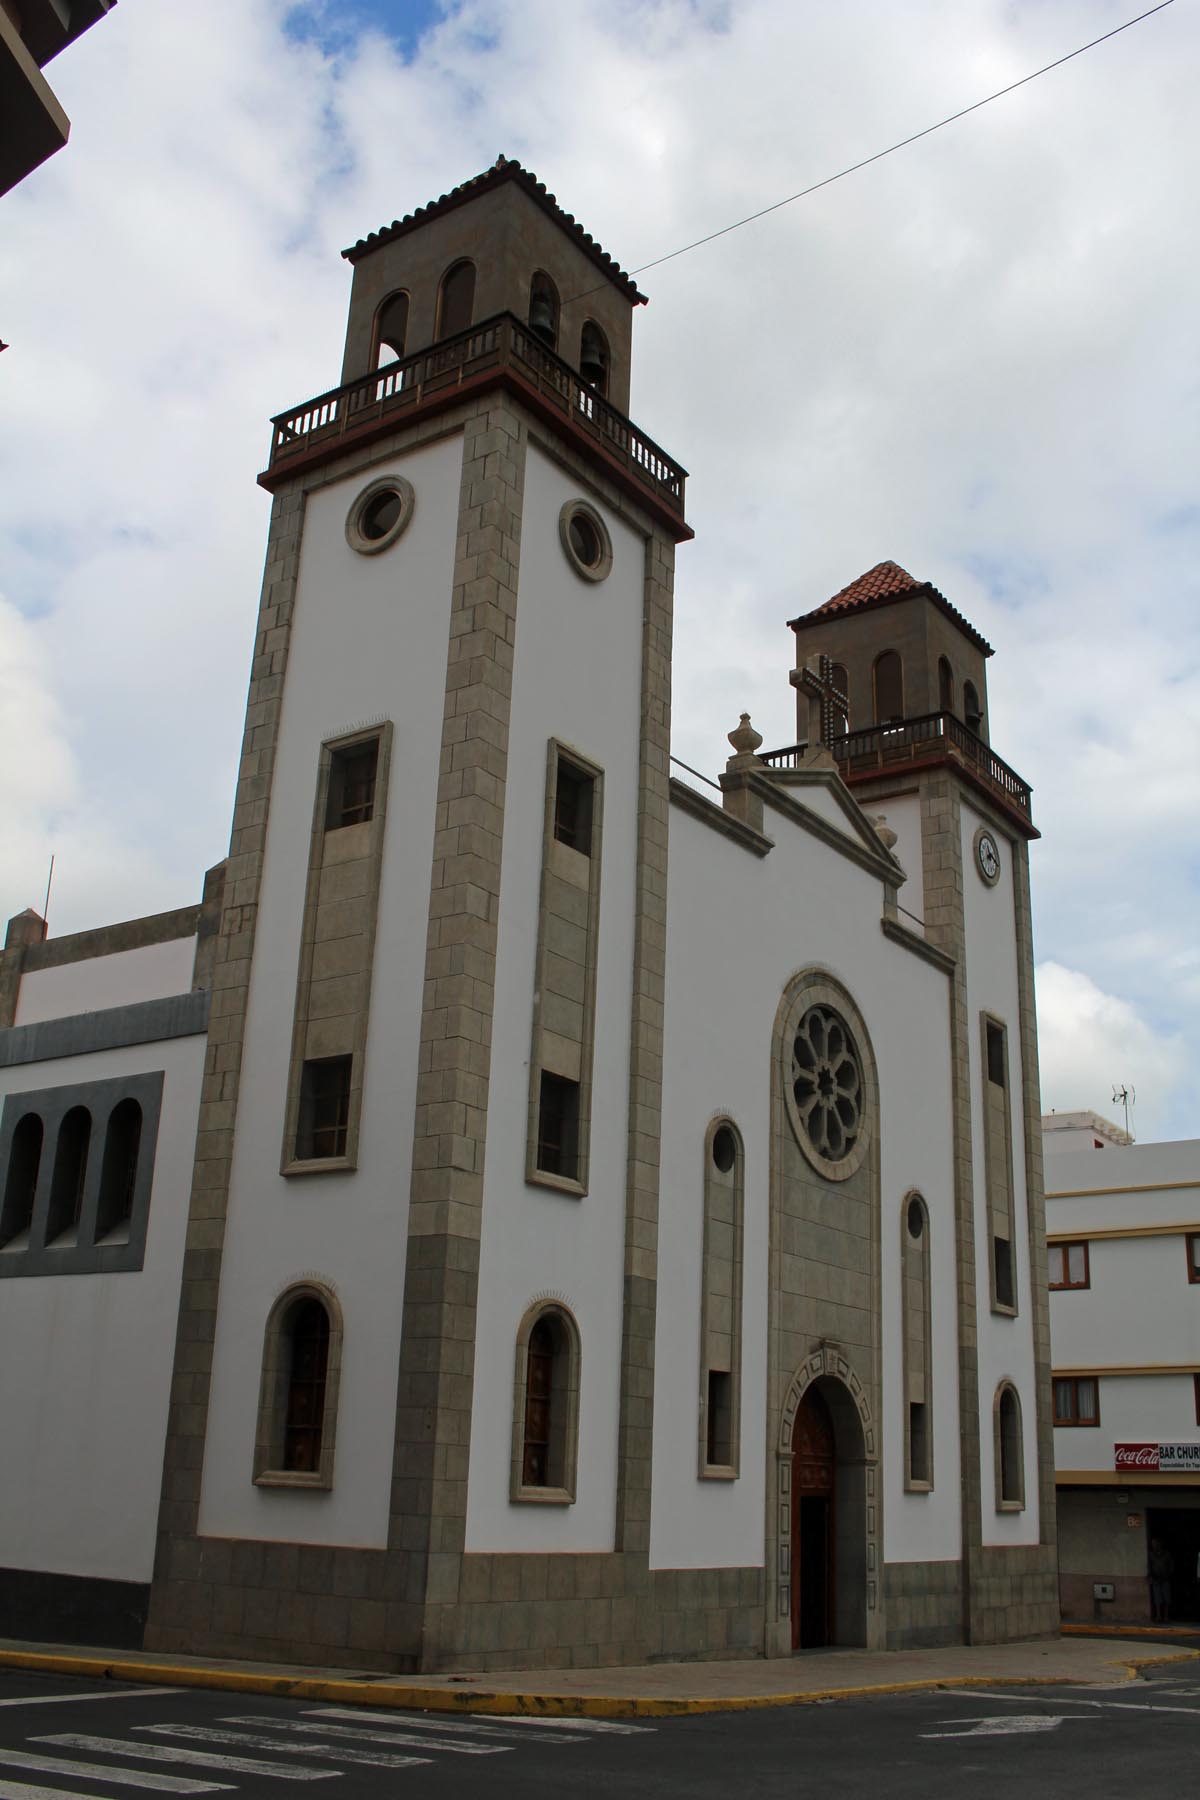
x: 1160, y: 1459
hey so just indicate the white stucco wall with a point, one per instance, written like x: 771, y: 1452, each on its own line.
x: 577, y: 677
x: 153, y: 972
x: 85, y: 1360
x: 1005, y: 1344
x: 738, y: 928
x: 1134, y: 1409
x: 369, y: 643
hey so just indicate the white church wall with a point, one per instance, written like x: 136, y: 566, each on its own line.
x: 85, y: 1360
x: 903, y: 814
x: 369, y: 642
x: 151, y: 972
x: 802, y: 905
x: 1005, y: 1344
x: 577, y: 677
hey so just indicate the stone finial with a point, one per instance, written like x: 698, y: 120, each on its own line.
x: 744, y: 738
x: 884, y: 832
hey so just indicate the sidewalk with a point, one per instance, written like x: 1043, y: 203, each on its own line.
x: 660, y: 1689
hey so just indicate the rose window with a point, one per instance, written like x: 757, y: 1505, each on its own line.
x: 827, y: 1083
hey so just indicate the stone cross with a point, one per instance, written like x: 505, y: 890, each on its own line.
x: 828, y: 706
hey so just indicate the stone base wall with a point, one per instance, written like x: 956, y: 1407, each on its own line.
x: 1130, y: 1604
x: 922, y: 1604
x: 1014, y: 1593
x: 72, y: 1609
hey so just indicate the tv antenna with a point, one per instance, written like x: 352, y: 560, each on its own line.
x: 1126, y: 1097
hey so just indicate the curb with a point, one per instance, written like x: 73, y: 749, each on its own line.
x: 414, y: 1698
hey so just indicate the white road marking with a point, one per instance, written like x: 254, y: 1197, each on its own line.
x: 614, y: 1725
x: 206, y: 1734
x: 109, y: 1693
x: 999, y: 1725
x: 63, y: 1765
x: 21, y: 1790
x: 1078, y: 1700
x: 479, y: 1727
x: 201, y: 1759
x: 370, y: 1737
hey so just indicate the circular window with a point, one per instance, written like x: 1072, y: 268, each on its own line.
x: 724, y: 1149
x: 826, y: 1088
x: 380, y: 514
x: 916, y: 1219
x: 585, y: 539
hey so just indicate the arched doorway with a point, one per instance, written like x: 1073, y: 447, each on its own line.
x: 814, y: 1523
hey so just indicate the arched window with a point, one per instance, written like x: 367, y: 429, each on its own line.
x: 945, y: 686
x: 298, y: 1398
x: 543, y: 309
x: 391, y: 329
x: 889, y: 689
x: 118, y: 1173
x: 972, y: 711
x: 1009, y: 1449
x: 456, y: 299
x: 594, y: 356
x: 20, y: 1187
x: 918, y: 1348
x: 70, y: 1171
x: 840, y: 677
x: 546, y: 1409
x: 721, y: 1302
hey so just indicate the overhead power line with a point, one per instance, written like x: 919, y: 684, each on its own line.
x: 902, y: 144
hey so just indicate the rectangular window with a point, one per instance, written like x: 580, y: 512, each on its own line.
x: 1193, y: 1256
x: 352, y: 771
x: 918, y: 1441
x: 995, y: 1054
x: 719, y: 1448
x: 1068, y: 1266
x: 998, y: 1164
x: 1076, y: 1400
x: 573, y: 791
x: 1196, y: 1395
x: 1002, y: 1272
x: 324, y: 1107
x: 558, y: 1127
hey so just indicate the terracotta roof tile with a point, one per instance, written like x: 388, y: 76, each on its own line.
x: 886, y: 583
x: 503, y: 169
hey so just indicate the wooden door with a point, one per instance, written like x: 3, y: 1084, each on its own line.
x: 814, y: 1478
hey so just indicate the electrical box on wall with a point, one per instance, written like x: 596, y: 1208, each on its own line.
x: 1102, y: 1590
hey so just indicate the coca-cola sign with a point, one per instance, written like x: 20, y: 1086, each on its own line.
x: 1163, y: 1459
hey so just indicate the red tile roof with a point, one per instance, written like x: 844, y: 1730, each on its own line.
x: 883, y: 585
x: 503, y: 169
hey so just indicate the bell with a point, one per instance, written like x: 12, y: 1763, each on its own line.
x: 592, y: 368
x: 541, y: 319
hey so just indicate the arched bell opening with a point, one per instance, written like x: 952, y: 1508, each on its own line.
x: 829, y: 1519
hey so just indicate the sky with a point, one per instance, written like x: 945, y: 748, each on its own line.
x: 977, y: 358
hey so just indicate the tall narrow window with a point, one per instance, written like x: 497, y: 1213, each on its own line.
x: 352, y: 774
x: 297, y: 1407
x: 546, y: 1406
x: 391, y: 329
x: 998, y: 1171
x: 543, y: 309
x: 918, y: 1346
x: 889, y: 688
x: 324, y: 1107
x: 972, y: 711
x: 558, y: 1127
x: 721, y: 1302
x: 1009, y: 1450
x: 456, y: 299
x: 118, y: 1173
x: 20, y: 1186
x: 573, y: 792
x: 945, y: 686
x: 594, y: 357
x: 70, y: 1172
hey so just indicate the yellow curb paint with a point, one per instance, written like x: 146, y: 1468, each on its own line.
x: 414, y: 1698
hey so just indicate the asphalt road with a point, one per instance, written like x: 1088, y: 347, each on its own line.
x: 64, y: 1739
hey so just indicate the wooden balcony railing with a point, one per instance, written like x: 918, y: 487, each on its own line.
x: 499, y: 342
x: 916, y: 740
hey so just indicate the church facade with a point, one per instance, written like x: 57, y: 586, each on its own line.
x: 536, y: 1210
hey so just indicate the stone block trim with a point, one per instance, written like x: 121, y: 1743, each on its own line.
x: 923, y: 1602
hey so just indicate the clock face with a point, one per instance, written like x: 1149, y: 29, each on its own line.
x: 988, y: 856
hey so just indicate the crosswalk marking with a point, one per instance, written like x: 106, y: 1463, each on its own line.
x: 371, y: 1737
x: 170, y: 1753
x: 207, y: 1734
x: 22, y: 1790
x: 62, y: 1765
x: 588, y: 1725
x: 108, y: 1693
x: 486, y: 1728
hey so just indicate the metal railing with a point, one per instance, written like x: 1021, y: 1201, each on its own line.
x: 911, y: 740
x: 499, y: 342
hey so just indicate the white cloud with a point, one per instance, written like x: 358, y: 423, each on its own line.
x: 1090, y: 1042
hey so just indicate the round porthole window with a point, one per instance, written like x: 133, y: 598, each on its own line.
x: 380, y: 514
x: 585, y: 540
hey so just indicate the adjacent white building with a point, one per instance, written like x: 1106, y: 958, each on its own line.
x: 1123, y: 1232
